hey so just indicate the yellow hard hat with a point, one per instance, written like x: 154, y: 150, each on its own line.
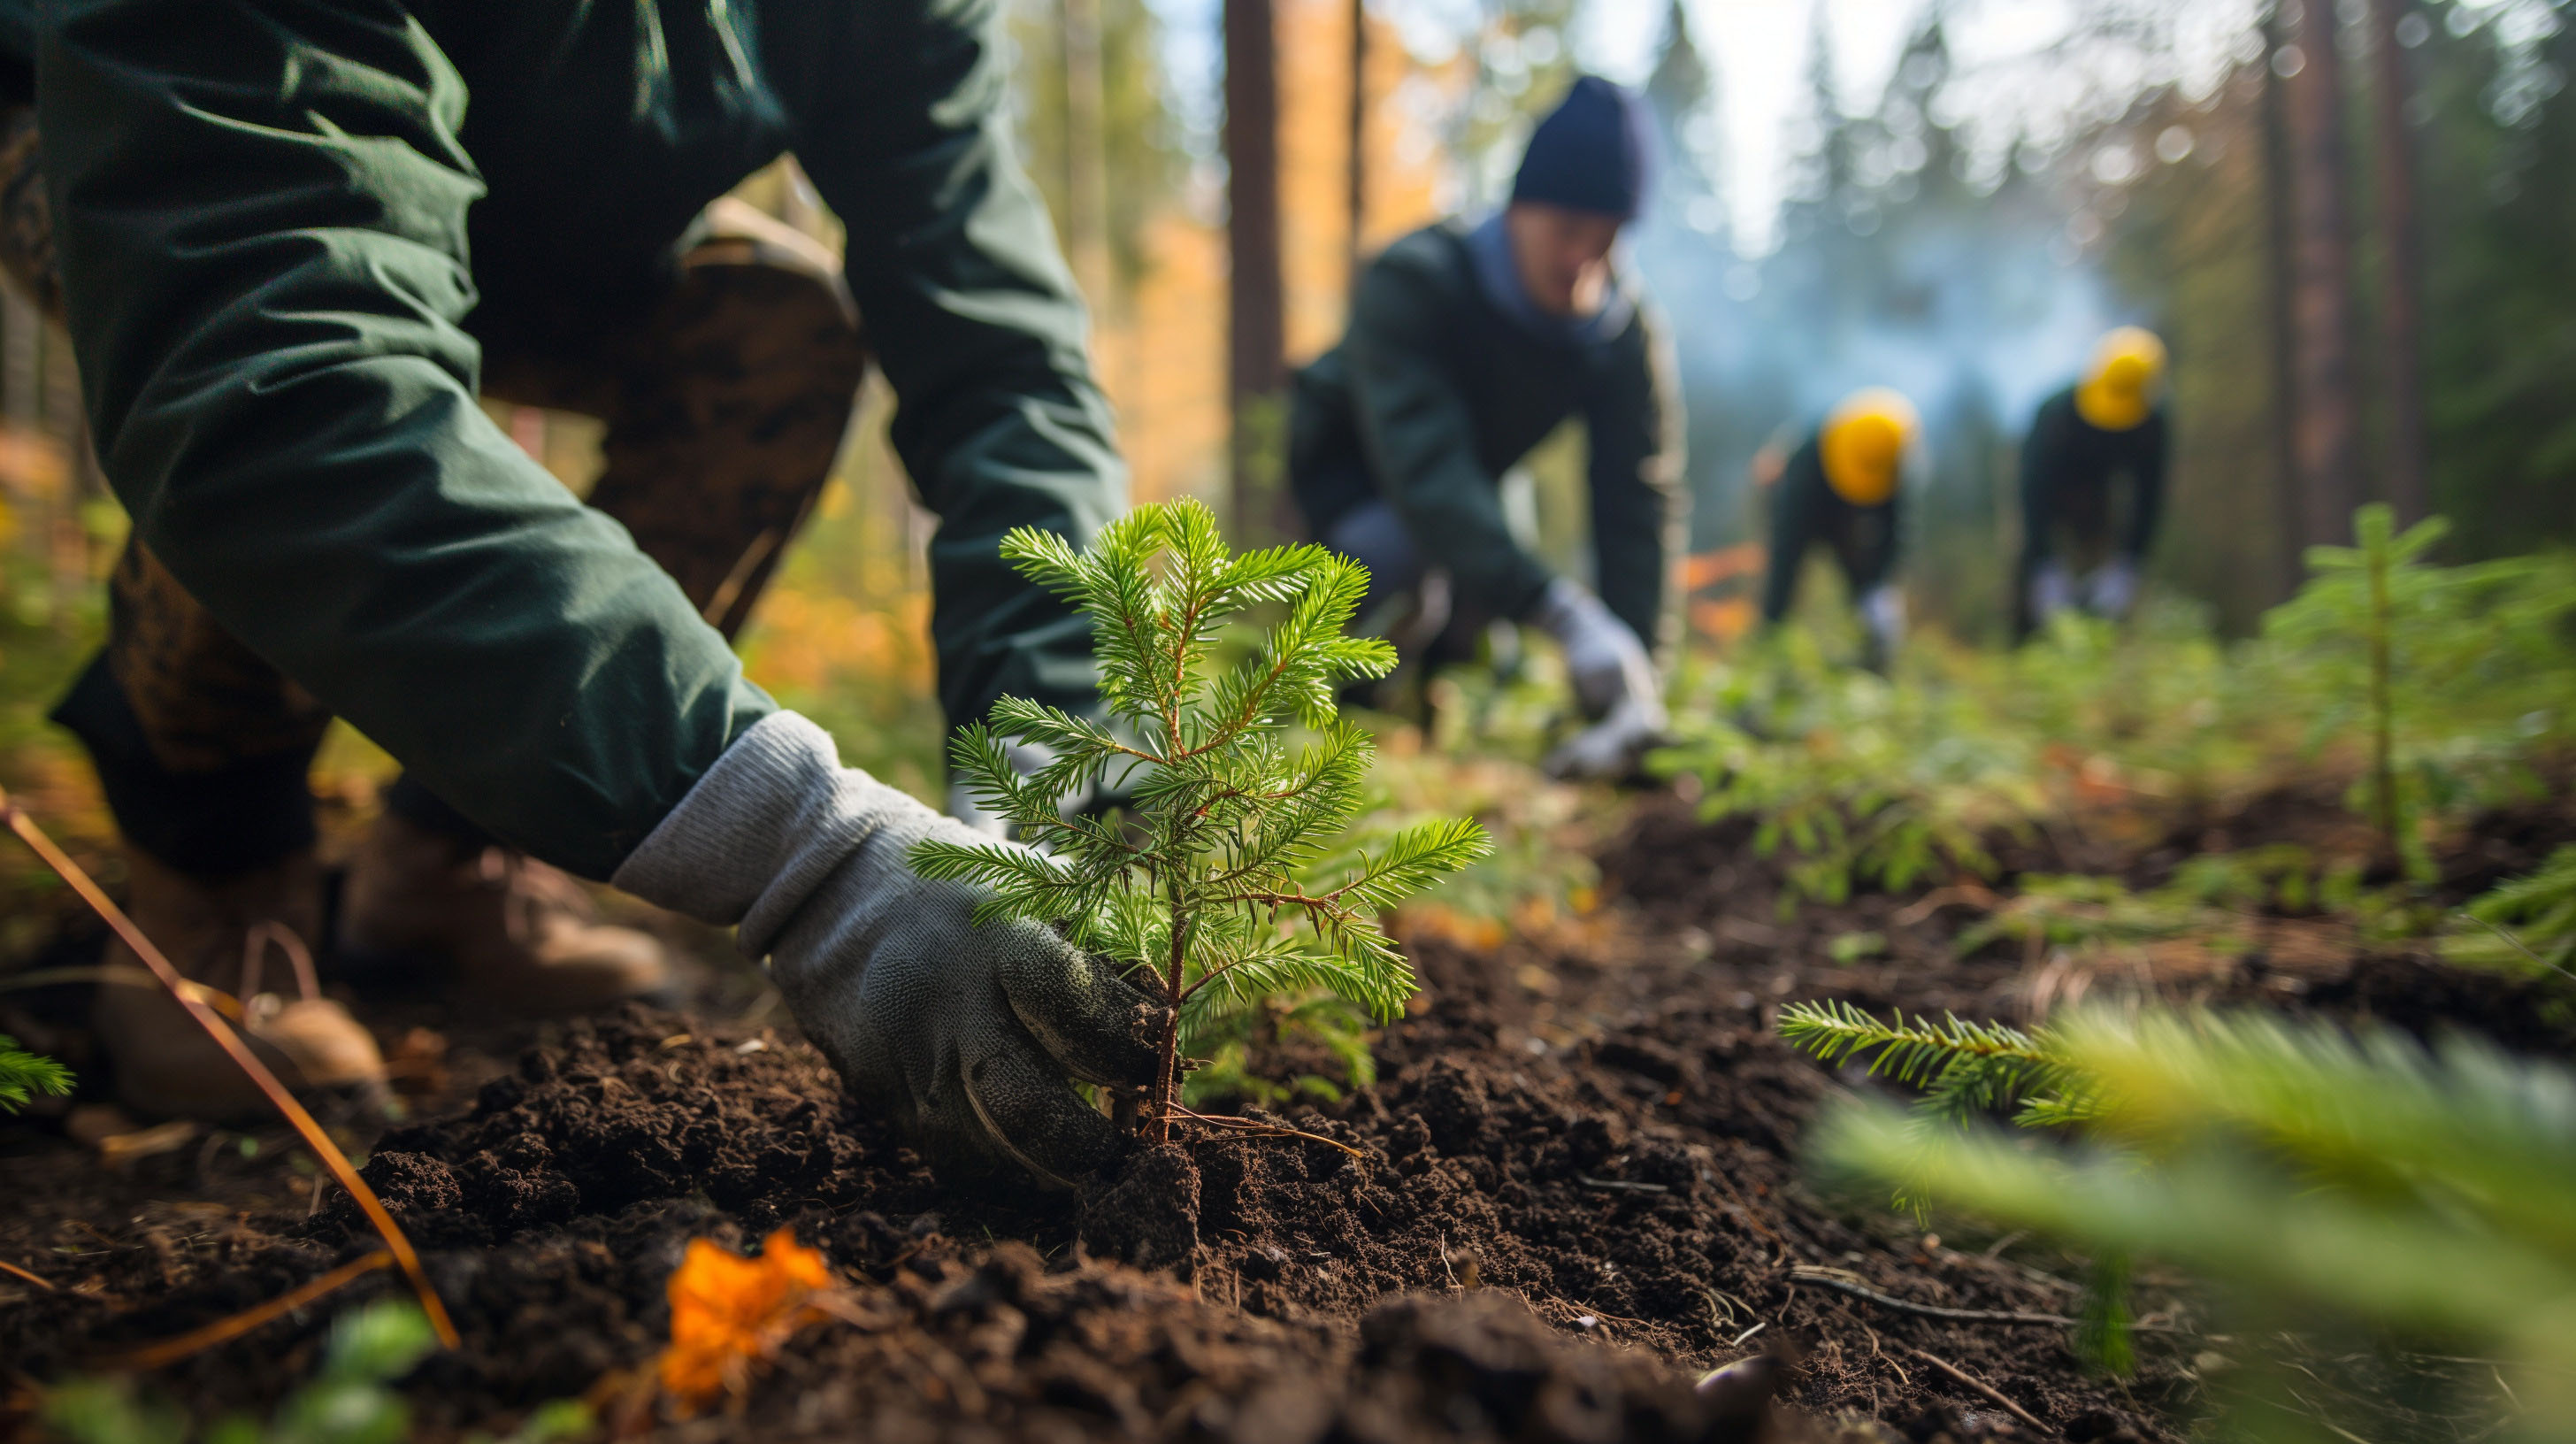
x: 1863, y: 445
x: 2121, y: 386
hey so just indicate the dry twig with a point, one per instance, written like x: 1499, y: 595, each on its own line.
x: 396, y: 1244
x: 1588, y: 1181
x: 1979, y: 1316
x: 1980, y: 1385
x: 225, y: 1330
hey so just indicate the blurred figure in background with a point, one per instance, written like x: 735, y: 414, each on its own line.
x: 1468, y: 344
x: 1842, y: 488
x: 2077, y: 551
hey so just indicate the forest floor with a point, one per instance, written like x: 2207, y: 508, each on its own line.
x: 1576, y: 1191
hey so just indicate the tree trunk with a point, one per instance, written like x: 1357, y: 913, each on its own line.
x: 2401, y: 272
x: 2325, y: 430
x: 2292, y: 511
x: 1358, y: 174
x: 1256, y: 360
x: 1086, y: 160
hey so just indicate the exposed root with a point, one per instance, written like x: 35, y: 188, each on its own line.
x: 1248, y: 1128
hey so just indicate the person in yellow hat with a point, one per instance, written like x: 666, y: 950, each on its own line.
x: 1842, y: 488
x: 2091, y: 442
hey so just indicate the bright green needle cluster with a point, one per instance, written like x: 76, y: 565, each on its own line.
x: 1964, y: 1068
x: 23, y: 1075
x: 2526, y: 924
x: 2319, y: 1176
x: 1228, y: 880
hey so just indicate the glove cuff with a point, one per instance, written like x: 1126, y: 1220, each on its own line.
x: 763, y: 829
x: 1563, y: 607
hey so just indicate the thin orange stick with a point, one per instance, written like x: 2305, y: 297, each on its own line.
x: 46, y: 1284
x: 222, y: 1331
x: 320, y: 1142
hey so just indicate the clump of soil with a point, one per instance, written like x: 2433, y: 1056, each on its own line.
x: 554, y: 1207
x: 1103, y: 1353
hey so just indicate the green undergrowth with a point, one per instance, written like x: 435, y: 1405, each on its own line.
x: 351, y: 1399
x: 2216, y: 900
x: 2333, y: 1194
x: 2524, y: 925
x: 2439, y: 691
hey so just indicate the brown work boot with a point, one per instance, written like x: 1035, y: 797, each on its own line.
x: 228, y: 934
x: 521, y: 935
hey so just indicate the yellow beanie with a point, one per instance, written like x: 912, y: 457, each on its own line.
x: 1863, y: 445
x: 2128, y: 374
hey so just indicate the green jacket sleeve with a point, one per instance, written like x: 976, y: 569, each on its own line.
x: 1420, y: 439
x: 1632, y: 425
x: 898, y: 113
x: 260, y: 208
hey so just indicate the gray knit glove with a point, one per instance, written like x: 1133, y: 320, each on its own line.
x: 963, y: 1035
x: 1602, y: 654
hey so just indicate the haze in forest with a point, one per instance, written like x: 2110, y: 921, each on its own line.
x: 1957, y: 199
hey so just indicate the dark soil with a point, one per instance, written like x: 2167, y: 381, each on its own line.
x: 1575, y: 1189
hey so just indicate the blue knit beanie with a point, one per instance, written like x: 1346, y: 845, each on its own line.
x: 1590, y: 154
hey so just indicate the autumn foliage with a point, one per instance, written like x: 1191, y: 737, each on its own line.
x: 729, y: 1314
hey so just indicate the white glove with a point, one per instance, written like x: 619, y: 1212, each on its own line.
x: 2051, y: 592
x: 2114, y: 589
x: 1884, y: 612
x: 1609, y: 665
x: 964, y: 1036
x: 1608, y: 749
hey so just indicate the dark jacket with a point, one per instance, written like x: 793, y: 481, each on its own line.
x: 1805, y: 510
x: 273, y: 217
x: 2068, y: 467
x: 1434, y: 393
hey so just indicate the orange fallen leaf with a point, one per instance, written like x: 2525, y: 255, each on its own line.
x: 1703, y: 570
x: 1722, y: 619
x: 729, y: 1313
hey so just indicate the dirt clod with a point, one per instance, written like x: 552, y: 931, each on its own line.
x: 1149, y: 1215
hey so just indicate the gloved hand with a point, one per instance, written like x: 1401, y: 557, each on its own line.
x: 2114, y: 589
x: 2051, y: 592
x: 965, y: 1036
x: 1883, y: 612
x: 1608, y: 749
x: 1609, y: 665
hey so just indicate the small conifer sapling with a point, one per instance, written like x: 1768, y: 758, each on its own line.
x: 1229, y: 881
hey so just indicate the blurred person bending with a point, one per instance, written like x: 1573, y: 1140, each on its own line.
x: 2104, y: 435
x: 292, y: 242
x: 1468, y: 344
x: 1843, y: 489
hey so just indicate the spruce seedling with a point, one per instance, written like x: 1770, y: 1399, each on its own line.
x: 2381, y: 595
x: 1228, y: 881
